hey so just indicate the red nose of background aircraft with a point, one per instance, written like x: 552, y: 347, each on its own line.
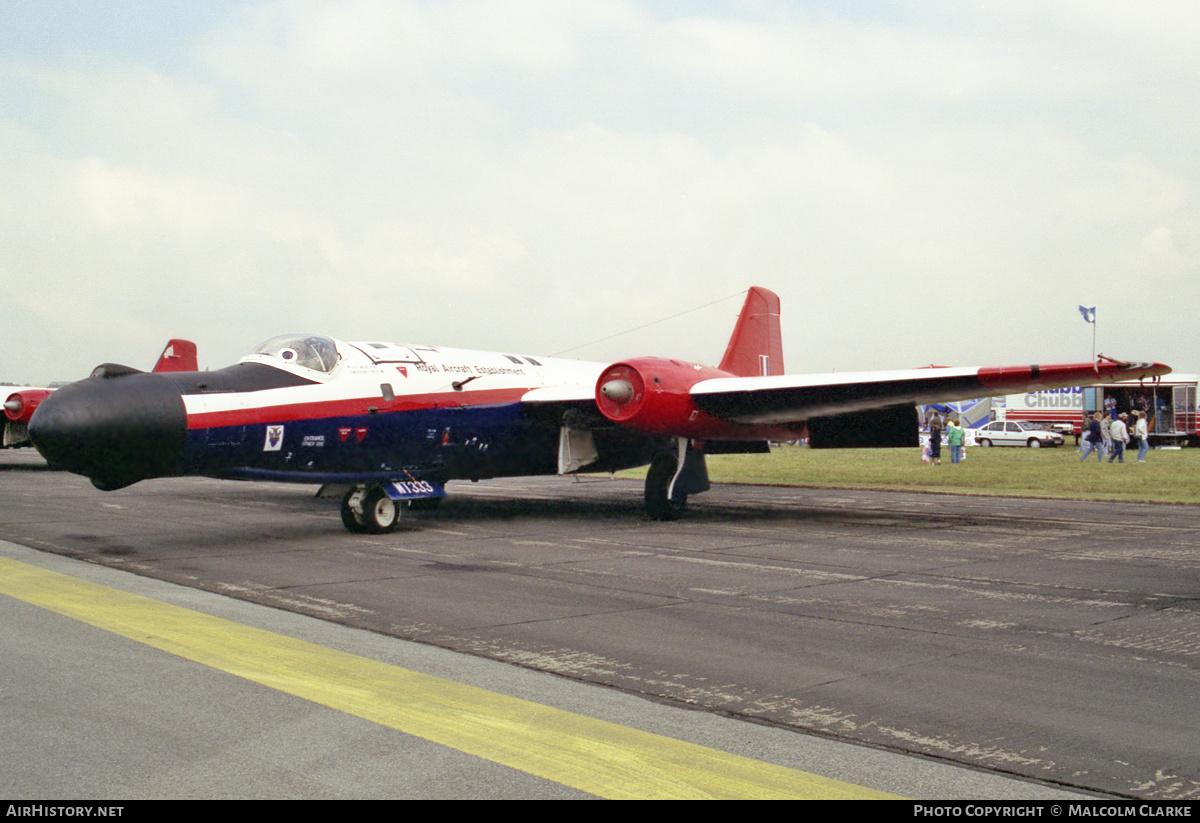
x: 178, y: 355
x: 387, y: 424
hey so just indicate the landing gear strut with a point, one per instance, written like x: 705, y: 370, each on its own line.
x: 671, y: 478
x: 660, y: 505
x: 369, y: 511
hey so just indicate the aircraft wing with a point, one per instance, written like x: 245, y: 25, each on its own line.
x: 794, y: 398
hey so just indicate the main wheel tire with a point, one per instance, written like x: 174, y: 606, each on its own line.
x: 380, y: 514
x: 658, y: 479
x: 985, y: 442
x: 1034, y: 443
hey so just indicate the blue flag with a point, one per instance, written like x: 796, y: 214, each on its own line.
x: 1088, y: 314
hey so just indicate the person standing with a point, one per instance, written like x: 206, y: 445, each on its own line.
x: 1120, y: 436
x: 1092, y: 440
x: 1131, y: 425
x: 956, y: 438
x: 1106, y: 434
x: 1141, y: 431
x: 935, y: 440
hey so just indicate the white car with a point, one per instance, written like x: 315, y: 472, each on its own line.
x: 1015, y: 433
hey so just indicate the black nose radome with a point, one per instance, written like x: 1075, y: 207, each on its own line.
x: 116, y: 427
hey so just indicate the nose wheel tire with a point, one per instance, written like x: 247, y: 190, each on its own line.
x: 380, y: 512
x: 352, y: 511
x: 369, y: 511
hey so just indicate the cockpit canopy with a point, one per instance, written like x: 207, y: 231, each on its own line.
x: 311, y: 351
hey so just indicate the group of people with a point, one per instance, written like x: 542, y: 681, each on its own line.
x: 1105, y: 434
x: 1111, y: 433
x: 956, y: 439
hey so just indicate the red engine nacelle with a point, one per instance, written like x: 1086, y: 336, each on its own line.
x: 20, y: 405
x: 652, y: 394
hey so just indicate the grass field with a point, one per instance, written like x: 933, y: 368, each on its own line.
x: 1167, y: 476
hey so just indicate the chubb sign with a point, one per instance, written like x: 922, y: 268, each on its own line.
x: 1049, y: 399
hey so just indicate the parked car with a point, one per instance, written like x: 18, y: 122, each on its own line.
x: 1066, y: 429
x: 1016, y: 433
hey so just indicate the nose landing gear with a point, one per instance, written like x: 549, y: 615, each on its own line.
x: 369, y: 510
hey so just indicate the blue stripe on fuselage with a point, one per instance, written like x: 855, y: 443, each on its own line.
x: 460, y: 442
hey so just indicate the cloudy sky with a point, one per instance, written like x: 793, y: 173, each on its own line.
x: 932, y: 181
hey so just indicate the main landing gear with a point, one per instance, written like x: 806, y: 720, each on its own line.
x: 671, y: 478
x: 660, y: 503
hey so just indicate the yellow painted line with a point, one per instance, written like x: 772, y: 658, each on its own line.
x: 604, y: 759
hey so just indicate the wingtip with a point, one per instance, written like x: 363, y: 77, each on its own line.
x: 1131, y: 370
x: 1104, y: 370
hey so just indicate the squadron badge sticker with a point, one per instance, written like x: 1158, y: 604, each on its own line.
x: 274, y: 441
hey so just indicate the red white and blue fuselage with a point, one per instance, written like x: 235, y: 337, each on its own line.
x: 374, y: 410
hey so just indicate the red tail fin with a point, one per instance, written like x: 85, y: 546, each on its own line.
x: 756, y: 347
x: 179, y: 355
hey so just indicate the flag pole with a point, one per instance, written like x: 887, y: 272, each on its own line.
x: 1089, y: 316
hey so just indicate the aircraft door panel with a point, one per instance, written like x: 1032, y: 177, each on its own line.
x: 494, y: 441
x: 219, y: 435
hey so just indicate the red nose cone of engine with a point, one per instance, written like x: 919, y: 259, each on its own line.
x: 619, y: 391
x: 21, y: 405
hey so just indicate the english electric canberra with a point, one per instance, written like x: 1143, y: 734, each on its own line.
x: 388, y: 424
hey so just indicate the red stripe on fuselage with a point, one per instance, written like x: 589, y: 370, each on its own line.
x: 327, y: 409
